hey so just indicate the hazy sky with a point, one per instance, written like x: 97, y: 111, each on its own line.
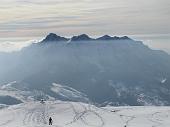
x: 27, y: 18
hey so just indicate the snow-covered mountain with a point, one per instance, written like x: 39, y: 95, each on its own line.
x: 107, y: 70
x: 76, y: 114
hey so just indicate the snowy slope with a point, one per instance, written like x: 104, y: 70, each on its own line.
x: 18, y: 91
x: 69, y: 93
x: 75, y: 114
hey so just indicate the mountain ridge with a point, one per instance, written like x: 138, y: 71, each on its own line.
x: 52, y: 37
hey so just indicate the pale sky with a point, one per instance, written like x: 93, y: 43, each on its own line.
x: 36, y: 18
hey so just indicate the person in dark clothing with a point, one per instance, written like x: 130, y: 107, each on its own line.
x: 50, y: 121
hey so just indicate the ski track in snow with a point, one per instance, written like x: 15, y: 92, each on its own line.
x: 76, y: 114
x: 83, y: 114
x: 37, y: 115
x: 158, y: 118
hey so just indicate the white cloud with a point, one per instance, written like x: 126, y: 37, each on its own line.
x: 14, y: 46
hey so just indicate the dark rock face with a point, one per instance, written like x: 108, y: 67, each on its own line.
x: 82, y: 37
x: 54, y: 38
x: 125, y: 38
x: 106, y: 37
x: 116, y: 72
x: 109, y: 38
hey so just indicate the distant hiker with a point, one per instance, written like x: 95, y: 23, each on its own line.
x: 50, y: 121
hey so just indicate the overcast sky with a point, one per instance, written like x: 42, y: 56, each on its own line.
x: 27, y: 18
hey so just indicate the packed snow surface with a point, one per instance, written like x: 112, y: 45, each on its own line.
x: 75, y: 114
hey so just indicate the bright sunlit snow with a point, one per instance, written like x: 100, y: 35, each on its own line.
x: 75, y: 114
